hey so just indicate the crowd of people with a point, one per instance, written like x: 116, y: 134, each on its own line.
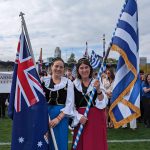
x: 67, y: 97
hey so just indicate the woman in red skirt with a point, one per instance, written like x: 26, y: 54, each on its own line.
x: 93, y: 136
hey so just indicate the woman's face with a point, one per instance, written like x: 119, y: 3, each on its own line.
x: 84, y: 71
x: 58, y: 68
x: 108, y: 73
x: 148, y: 79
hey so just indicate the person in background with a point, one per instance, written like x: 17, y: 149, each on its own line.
x: 146, y: 100
x: 108, y: 85
x: 94, y: 75
x: 93, y: 136
x: 60, y: 97
x: 142, y: 78
x: 3, y: 98
x: 69, y: 74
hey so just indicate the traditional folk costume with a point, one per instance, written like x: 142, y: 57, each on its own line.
x: 60, y: 98
x: 93, y: 136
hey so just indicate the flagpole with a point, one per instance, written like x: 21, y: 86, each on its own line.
x: 104, y: 45
x: 27, y: 35
x: 53, y: 136
x: 30, y: 48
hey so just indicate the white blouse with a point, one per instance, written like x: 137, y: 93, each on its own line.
x: 99, y: 104
x: 69, y: 105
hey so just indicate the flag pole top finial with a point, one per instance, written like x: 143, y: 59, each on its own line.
x: 21, y: 14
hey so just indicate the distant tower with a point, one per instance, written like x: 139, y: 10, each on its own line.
x: 86, y: 55
x: 40, y: 62
x: 57, y: 52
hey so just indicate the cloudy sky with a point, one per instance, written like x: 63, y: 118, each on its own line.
x: 67, y: 24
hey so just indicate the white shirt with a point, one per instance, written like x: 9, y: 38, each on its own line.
x: 99, y: 104
x: 69, y: 105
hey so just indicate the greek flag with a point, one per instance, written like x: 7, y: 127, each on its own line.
x: 125, y: 100
x: 95, y: 60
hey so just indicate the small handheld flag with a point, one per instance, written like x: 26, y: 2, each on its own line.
x: 95, y: 60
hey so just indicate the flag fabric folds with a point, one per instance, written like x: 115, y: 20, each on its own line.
x: 27, y: 107
x: 125, y: 100
x: 95, y: 60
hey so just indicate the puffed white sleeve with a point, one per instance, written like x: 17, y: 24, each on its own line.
x: 69, y: 105
x: 76, y: 118
x: 103, y: 103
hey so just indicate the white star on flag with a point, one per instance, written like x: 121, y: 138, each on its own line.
x: 21, y: 139
x: 39, y: 144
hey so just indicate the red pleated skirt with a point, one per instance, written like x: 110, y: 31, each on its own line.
x: 94, y: 135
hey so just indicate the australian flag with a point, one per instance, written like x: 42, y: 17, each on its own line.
x: 27, y: 108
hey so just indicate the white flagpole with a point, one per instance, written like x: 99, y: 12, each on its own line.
x: 27, y: 35
x: 53, y: 136
x: 30, y: 48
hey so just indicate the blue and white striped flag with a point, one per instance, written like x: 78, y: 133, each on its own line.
x: 125, y: 100
x: 95, y: 60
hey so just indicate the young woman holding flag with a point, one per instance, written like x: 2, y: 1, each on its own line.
x: 94, y: 133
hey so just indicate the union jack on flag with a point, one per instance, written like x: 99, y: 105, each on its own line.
x: 125, y: 101
x: 27, y: 107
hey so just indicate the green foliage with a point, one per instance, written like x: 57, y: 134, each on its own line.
x: 71, y: 59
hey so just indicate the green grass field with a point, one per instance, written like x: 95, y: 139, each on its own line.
x: 113, y: 134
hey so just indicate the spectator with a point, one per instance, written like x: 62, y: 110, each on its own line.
x: 146, y: 100
x: 3, y: 97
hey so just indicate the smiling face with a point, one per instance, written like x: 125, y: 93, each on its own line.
x: 57, y: 68
x: 148, y: 78
x: 108, y: 73
x: 84, y: 71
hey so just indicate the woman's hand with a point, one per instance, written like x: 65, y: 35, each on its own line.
x: 83, y: 120
x: 97, y: 85
x: 53, y: 122
x: 109, y: 94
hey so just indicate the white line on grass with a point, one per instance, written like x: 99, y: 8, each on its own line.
x: 4, y: 143
x: 109, y: 141
x: 125, y: 141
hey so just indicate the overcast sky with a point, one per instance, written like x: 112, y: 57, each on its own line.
x: 67, y: 24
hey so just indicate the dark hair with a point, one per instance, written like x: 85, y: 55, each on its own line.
x: 69, y: 69
x: 146, y: 82
x: 57, y: 59
x: 86, y: 62
x: 141, y: 72
x: 112, y: 75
